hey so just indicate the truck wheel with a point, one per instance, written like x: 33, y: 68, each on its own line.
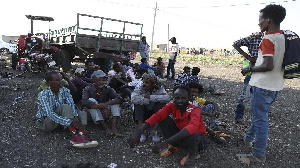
x: 66, y: 61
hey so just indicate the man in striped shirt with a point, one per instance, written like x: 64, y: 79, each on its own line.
x: 56, y: 107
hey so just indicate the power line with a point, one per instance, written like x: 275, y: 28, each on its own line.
x: 200, y: 21
x: 218, y: 6
x: 124, y: 4
x: 161, y: 9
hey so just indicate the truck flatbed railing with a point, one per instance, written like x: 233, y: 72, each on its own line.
x: 97, y: 39
x: 109, y: 19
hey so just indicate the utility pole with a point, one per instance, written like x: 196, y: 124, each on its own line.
x: 153, y: 30
x: 168, y: 38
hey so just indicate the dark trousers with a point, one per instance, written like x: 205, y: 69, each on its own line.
x: 115, y: 84
x: 126, y: 92
x: 143, y: 112
x: 193, y: 143
x: 171, y: 67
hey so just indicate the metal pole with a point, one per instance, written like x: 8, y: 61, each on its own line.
x: 153, y: 29
x: 49, y: 33
x: 31, y: 25
x: 168, y: 38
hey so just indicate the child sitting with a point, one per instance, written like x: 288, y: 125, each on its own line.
x: 208, y: 109
x: 194, y: 77
x: 160, y: 68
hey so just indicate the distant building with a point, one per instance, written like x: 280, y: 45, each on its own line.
x: 160, y: 47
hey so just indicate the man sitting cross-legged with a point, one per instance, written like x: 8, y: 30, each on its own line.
x: 100, y: 98
x: 56, y: 107
x: 184, y: 129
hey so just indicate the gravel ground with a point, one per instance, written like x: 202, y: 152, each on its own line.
x: 23, y: 145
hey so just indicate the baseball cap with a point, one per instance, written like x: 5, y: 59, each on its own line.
x: 79, y: 70
x: 98, y: 74
x: 173, y: 39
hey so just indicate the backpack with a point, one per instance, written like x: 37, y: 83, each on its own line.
x: 291, y: 60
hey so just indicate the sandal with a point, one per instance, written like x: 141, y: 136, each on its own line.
x: 171, y: 149
x: 188, y: 160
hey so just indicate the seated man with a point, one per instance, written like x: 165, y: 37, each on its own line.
x: 130, y: 74
x: 56, y: 107
x: 100, y: 98
x: 117, y: 77
x: 90, y: 67
x: 147, y: 100
x: 128, y: 88
x: 160, y: 68
x: 80, y: 84
x: 144, y: 65
x: 184, y: 129
x: 66, y: 82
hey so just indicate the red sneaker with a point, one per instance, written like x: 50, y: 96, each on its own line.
x: 74, y: 139
x: 83, y: 142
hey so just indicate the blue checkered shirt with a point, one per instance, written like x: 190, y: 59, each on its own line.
x: 48, y: 102
x: 252, y: 42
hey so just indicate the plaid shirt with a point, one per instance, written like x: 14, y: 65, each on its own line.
x: 48, y: 102
x: 193, y: 79
x: 252, y: 42
x: 181, y: 79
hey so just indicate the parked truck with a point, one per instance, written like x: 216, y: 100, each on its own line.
x: 94, y: 37
x: 98, y: 38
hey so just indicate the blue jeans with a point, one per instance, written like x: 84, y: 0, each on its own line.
x: 171, y: 67
x: 240, y: 107
x: 213, y: 121
x: 260, y: 102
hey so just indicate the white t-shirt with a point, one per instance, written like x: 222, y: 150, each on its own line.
x: 272, y: 45
x: 174, y: 48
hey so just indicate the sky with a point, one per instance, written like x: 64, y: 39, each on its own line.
x: 194, y: 23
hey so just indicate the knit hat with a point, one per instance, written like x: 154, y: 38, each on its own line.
x: 152, y: 78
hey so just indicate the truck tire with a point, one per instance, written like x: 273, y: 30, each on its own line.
x: 65, y: 60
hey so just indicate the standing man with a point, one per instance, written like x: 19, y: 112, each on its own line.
x: 266, y: 80
x: 144, y: 47
x: 174, y: 50
x: 56, y: 107
x: 252, y: 42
